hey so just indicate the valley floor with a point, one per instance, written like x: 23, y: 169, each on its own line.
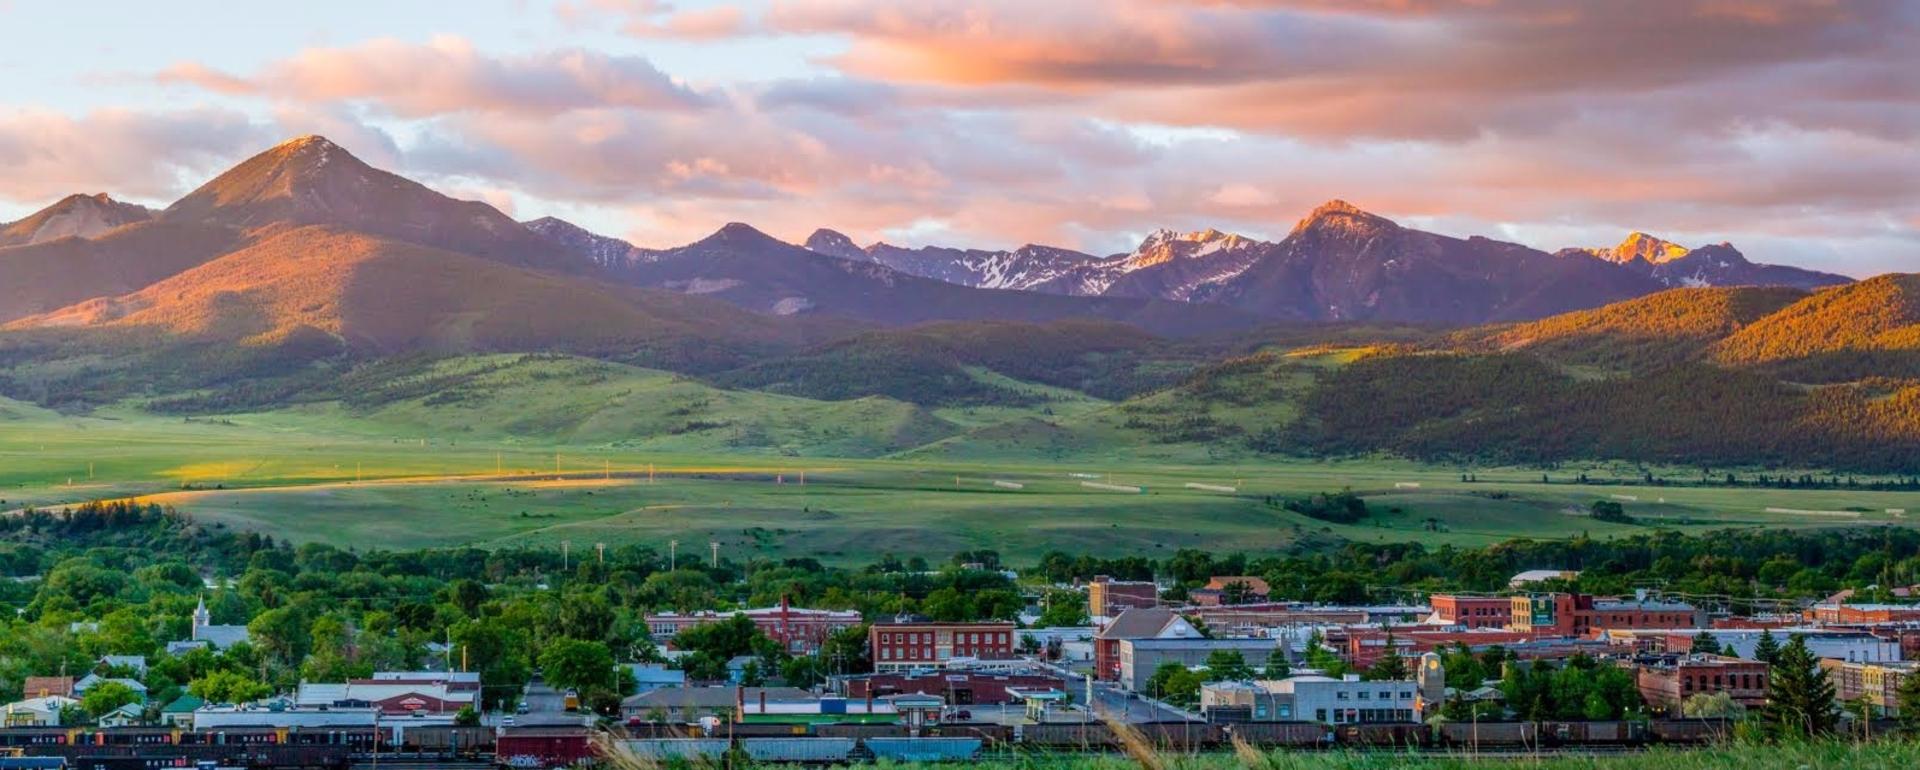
x: 308, y: 480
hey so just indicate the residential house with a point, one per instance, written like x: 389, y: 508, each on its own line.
x: 45, y: 686
x: 134, y: 663
x: 91, y: 681
x: 648, y: 677
x: 179, y: 713
x: 128, y: 715
x: 42, y: 711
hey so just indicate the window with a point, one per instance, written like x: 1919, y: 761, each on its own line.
x: 1341, y: 695
x: 1364, y: 695
x: 1319, y: 715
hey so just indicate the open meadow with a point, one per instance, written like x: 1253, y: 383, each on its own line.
x: 302, y: 476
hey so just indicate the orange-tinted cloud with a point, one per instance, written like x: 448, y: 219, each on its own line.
x: 448, y: 75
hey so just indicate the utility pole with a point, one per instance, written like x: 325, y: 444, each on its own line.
x: 715, y: 545
x: 673, y: 552
x: 600, y: 552
x: 565, y: 562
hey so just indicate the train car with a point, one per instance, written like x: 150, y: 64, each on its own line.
x: 1613, y: 733
x: 135, y: 736
x: 652, y: 750
x: 448, y: 740
x: 990, y: 733
x: 858, y: 730
x: 1280, y: 734
x: 805, y: 750
x: 38, y: 736
x: 923, y: 749
x: 1690, y: 731
x: 541, y: 747
x: 1396, y: 734
x: 1482, y: 735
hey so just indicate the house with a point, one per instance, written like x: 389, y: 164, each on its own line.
x: 1230, y: 590
x: 127, y: 715
x: 648, y: 677
x: 44, y: 686
x: 43, y: 711
x: 179, y: 713
x: 91, y: 681
x: 913, y: 645
x: 1140, y: 623
x: 135, y: 663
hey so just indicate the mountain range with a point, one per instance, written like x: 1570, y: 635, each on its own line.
x: 303, y: 265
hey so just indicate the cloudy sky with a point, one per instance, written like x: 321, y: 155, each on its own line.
x: 1791, y: 127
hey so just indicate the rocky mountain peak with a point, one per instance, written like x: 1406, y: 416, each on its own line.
x: 834, y: 243
x: 1340, y: 216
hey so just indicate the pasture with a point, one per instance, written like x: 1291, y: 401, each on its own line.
x: 306, y: 477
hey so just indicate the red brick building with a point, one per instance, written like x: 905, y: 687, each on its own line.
x: 800, y: 631
x: 959, y: 688
x: 1472, y: 611
x: 910, y: 646
x: 1107, y: 597
x: 1366, y: 647
x: 1843, y: 613
x: 1568, y: 614
x: 1667, y: 681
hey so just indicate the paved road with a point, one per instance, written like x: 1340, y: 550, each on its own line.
x: 1111, y: 701
x: 545, y: 706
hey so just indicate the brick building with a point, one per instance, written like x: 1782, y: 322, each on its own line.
x: 1877, y: 683
x: 1569, y: 614
x: 1666, y: 681
x: 1366, y: 647
x: 906, y: 646
x: 1472, y: 611
x: 1145, y: 623
x: 800, y: 631
x: 1107, y: 597
x: 1843, y: 613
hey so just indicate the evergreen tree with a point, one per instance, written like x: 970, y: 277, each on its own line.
x: 1278, y: 667
x: 1799, y: 695
x: 1767, y: 650
x: 1907, y: 699
x: 1705, y: 643
x: 1390, y: 668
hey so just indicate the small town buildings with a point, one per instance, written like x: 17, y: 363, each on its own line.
x: 41, y: 711
x: 389, y: 696
x: 1312, y: 699
x: 1231, y: 590
x: 1107, y: 598
x: 1141, y: 623
x: 127, y: 715
x: 1140, y: 657
x: 1837, y: 643
x: 134, y: 663
x: 1667, y: 681
x: 45, y: 686
x: 801, y: 631
x: 690, y: 704
x: 1470, y: 611
x: 909, y: 646
x: 1878, y: 684
x: 179, y: 713
x: 1570, y: 614
x: 91, y: 681
x: 1256, y: 619
x: 206, y: 634
x: 1844, y: 613
x: 648, y: 677
x: 959, y: 688
x: 1366, y: 646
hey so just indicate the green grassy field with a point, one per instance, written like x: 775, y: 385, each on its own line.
x: 314, y: 476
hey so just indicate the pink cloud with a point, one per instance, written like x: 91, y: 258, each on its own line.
x: 45, y: 155
x: 449, y: 75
